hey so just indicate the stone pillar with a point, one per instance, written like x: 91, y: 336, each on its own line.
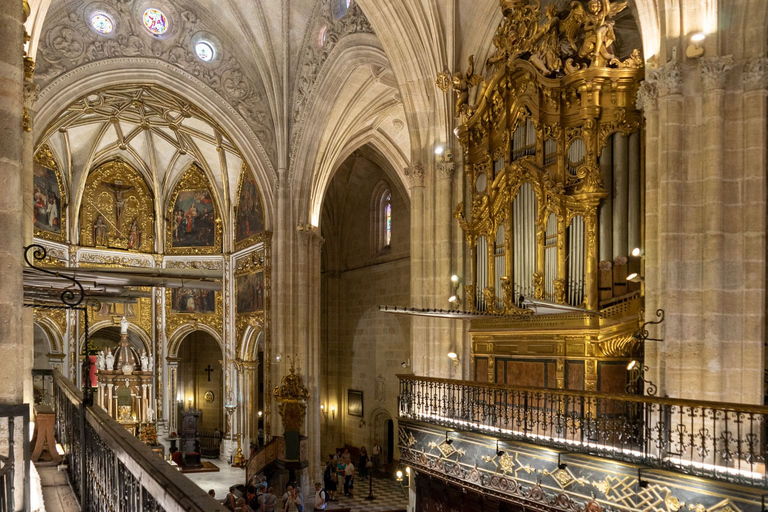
x: 419, y: 353
x: 173, y: 367
x: 755, y: 105
x: 713, y: 73
x: 110, y: 387
x: 444, y: 340
x: 12, y: 203
x: 634, y: 206
x: 620, y: 192
x: 605, y: 210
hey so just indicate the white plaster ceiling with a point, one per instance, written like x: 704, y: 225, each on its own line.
x: 160, y: 134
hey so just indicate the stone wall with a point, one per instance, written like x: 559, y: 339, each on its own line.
x: 362, y: 349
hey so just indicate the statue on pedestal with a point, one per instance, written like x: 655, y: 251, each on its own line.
x: 100, y: 360
x: 144, y: 361
x: 124, y: 326
x: 109, y: 360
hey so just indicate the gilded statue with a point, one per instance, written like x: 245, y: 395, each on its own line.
x: 597, y: 23
x: 460, y: 83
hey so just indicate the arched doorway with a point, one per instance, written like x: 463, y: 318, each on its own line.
x: 200, y: 383
x: 42, y: 349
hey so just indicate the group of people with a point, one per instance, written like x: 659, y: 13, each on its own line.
x: 260, y: 497
x: 339, y: 469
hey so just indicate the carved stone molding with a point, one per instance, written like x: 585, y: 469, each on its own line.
x: 669, y: 78
x: 714, y: 71
x: 415, y: 175
x: 756, y: 74
x: 68, y: 42
x: 445, y: 170
x: 648, y: 94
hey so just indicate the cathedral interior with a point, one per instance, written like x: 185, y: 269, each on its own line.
x: 482, y: 255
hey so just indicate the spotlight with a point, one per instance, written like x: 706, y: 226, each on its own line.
x: 698, y: 37
x: 454, y: 278
x: 632, y: 364
x: 448, y: 441
x: 453, y: 355
x: 399, y: 475
x: 695, y: 50
x: 261, y: 414
x: 634, y: 277
x: 452, y: 299
x: 636, y: 252
x: 499, y: 452
x: 438, y: 150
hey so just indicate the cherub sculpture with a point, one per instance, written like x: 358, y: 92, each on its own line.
x: 597, y: 20
x: 460, y: 83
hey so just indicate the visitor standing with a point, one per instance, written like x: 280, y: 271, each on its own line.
x: 268, y: 500
x: 320, y: 497
x: 376, y: 457
x: 349, y: 479
x: 363, y: 463
x: 329, y: 478
x: 293, y: 503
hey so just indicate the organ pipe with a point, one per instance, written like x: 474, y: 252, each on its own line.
x: 606, y: 206
x: 576, y: 259
x: 621, y: 192
x: 550, y: 258
x: 482, y: 272
x: 635, y: 188
x: 500, y: 267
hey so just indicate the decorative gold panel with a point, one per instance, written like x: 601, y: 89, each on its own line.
x: 50, y: 197
x: 175, y: 318
x: 117, y: 209
x: 193, y: 221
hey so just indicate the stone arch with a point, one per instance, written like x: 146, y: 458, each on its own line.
x: 100, y: 75
x: 379, y: 432
x: 317, y: 151
x: 53, y: 335
x: 146, y: 340
x: 253, y: 338
x: 179, y: 335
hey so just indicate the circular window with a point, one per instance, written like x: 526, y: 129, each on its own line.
x: 322, y: 34
x: 102, y: 23
x: 204, y: 51
x: 155, y: 21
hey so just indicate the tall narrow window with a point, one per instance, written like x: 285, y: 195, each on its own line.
x: 381, y: 217
x: 388, y: 211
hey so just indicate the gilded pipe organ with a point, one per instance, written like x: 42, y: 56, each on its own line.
x: 552, y: 152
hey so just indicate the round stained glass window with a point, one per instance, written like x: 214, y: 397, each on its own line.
x: 204, y: 51
x: 155, y: 21
x: 102, y: 23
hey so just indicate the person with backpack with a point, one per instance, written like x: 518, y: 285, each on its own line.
x: 330, y: 479
x: 320, y: 497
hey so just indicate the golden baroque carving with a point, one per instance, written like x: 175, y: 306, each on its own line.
x: 292, y: 396
x: 174, y: 319
x: 117, y: 209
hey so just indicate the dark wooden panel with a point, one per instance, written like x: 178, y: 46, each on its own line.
x: 481, y: 369
x: 612, y: 377
x: 552, y: 375
x: 527, y: 373
x: 574, y: 375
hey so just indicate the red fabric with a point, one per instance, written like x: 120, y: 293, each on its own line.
x: 177, y: 458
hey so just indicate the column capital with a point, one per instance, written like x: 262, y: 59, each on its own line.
x: 756, y: 74
x: 445, y: 168
x: 714, y: 71
x: 668, y: 79
x: 415, y: 174
x: 308, y: 233
x: 647, y: 98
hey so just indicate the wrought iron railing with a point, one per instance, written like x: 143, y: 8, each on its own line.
x: 110, y: 469
x: 14, y: 421
x: 710, y: 439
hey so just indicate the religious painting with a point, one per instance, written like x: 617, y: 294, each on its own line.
x: 193, y: 219
x: 249, y: 214
x: 189, y: 300
x: 194, y: 226
x: 48, y: 216
x: 355, y: 403
x: 250, y: 293
x: 117, y: 211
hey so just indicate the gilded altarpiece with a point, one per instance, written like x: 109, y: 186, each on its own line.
x: 532, y: 144
x: 117, y: 209
x: 50, y: 197
x: 194, y: 223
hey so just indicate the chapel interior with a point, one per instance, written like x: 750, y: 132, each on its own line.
x: 432, y: 255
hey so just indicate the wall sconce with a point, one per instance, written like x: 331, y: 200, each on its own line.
x: 634, y: 277
x: 454, y: 298
x: 439, y: 150
x: 499, y: 452
x: 637, y: 252
x: 453, y: 356
x: 640, y: 482
x: 333, y: 413
x: 695, y: 50
x: 404, y: 479
x: 278, y: 357
x: 362, y: 423
x: 561, y: 464
x: 448, y: 441
x: 322, y: 409
x: 261, y: 414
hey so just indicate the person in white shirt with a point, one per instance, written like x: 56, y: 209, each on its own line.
x: 349, y: 479
x: 320, y: 497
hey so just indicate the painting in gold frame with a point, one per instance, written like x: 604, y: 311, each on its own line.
x: 49, y: 199
x: 192, y: 218
x: 249, y: 212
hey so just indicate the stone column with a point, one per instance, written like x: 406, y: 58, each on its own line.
x: 444, y: 341
x: 713, y: 73
x: 110, y: 387
x: 419, y: 353
x: 755, y: 100
x: 173, y: 367
x: 12, y: 203
x: 634, y: 206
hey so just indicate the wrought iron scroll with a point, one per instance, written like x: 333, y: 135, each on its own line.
x: 69, y: 298
x: 642, y: 334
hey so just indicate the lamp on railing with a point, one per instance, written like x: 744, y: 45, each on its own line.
x: 404, y: 479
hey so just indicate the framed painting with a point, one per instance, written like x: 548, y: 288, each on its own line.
x: 193, y: 222
x: 250, y: 293
x: 355, y: 403
x: 47, y: 201
x: 249, y: 215
x: 189, y: 300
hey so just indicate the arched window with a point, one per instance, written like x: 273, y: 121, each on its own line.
x: 340, y: 8
x: 381, y: 217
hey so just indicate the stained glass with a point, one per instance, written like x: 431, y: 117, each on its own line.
x: 102, y: 23
x: 389, y: 220
x: 204, y: 51
x: 155, y: 21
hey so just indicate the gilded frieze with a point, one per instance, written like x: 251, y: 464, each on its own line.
x: 138, y: 314
x: 117, y: 210
x: 50, y: 197
x: 194, y: 224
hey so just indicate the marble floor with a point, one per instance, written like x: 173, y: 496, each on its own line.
x: 57, y: 495
x: 388, y: 493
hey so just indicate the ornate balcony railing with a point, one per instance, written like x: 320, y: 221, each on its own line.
x: 111, y: 470
x: 710, y: 439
